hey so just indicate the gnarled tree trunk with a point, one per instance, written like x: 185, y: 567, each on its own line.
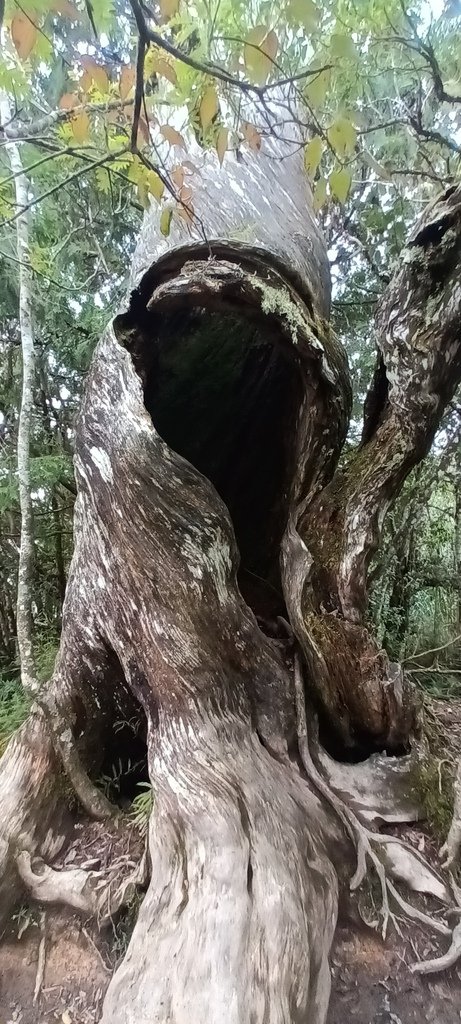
x: 208, y: 511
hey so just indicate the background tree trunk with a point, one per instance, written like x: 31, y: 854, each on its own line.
x: 26, y: 551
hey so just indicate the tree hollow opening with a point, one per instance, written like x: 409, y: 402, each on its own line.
x: 223, y: 386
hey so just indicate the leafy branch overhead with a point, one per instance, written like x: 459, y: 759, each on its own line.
x: 130, y: 90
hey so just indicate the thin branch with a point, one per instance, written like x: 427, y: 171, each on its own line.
x: 139, y: 91
x: 434, y: 650
x: 24, y: 132
x: 205, y: 67
x: 60, y: 184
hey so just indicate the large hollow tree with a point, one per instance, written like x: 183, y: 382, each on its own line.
x: 218, y: 586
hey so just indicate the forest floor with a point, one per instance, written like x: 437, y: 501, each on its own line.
x: 68, y: 963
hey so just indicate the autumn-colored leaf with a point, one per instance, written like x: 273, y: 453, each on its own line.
x: 209, y: 106
x: 127, y: 80
x: 313, y: 155
x: 165, y: 70
x: 251, y: 136
x: 172, y: 136
x: 143, y: 130
x: 259, y: 53
x: 80, y: 125
x: 221, y: 143
x: 23, y: 34
x: 340, y: 183
x: 186, y: 212
x: 66, y: 9
x: 95, y: 73
x: 168, y: 8
x: 177, y: 176
x: 69, y: 100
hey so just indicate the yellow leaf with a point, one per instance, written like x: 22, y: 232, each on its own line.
x: 342, y: 136
x: 162, y: 67
x: 155, y: 185
x: 340, y: 183
x: 69, y: 100
x: 142, y: 194
x: 251, y: 136
x: 303, y: 12
x: 313, y: 155
x: 23, y: 34
x: 317, y: 87
x: 127, y: 80
x: 172, y: 136
x: 168, y: 8
x: 259, y: 53
x: 320, y: 194
x: 80, y: 125
x: 165, y: 221
x: 221, y: 143
x: 96, y: 73
x: 209, y: 106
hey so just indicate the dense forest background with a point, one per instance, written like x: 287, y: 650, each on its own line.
x: 383, y: 101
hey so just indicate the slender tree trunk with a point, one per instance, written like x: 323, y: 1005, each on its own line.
x: 457, y: 539
x: 24, y: 620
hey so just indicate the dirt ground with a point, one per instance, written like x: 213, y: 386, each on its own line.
x: 371, y: 983
x: 56, y: 967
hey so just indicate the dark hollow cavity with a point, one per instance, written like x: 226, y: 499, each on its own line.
x: 225, y: 394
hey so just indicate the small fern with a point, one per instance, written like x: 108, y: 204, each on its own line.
x: 141, y: 808
x: 14, y: 708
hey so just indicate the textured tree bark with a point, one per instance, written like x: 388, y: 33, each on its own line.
x: 214, y: 415
x: 26, y: 550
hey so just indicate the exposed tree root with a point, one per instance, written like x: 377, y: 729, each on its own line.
x: 369, y: 845
x: 95, y: 893
x: 441, y: 963
x: 450, y: 851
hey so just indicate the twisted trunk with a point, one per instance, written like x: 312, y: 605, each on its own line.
x: 208, y: 511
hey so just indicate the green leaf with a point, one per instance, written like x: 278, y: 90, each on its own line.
x: 317, y: 87
x: 303, y: 12
x: 340, y: 183
x: 320, y: 194
x: 342, y: 46
x: 165, y: 221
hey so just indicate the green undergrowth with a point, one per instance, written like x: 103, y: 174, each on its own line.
x: 14, y: 708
